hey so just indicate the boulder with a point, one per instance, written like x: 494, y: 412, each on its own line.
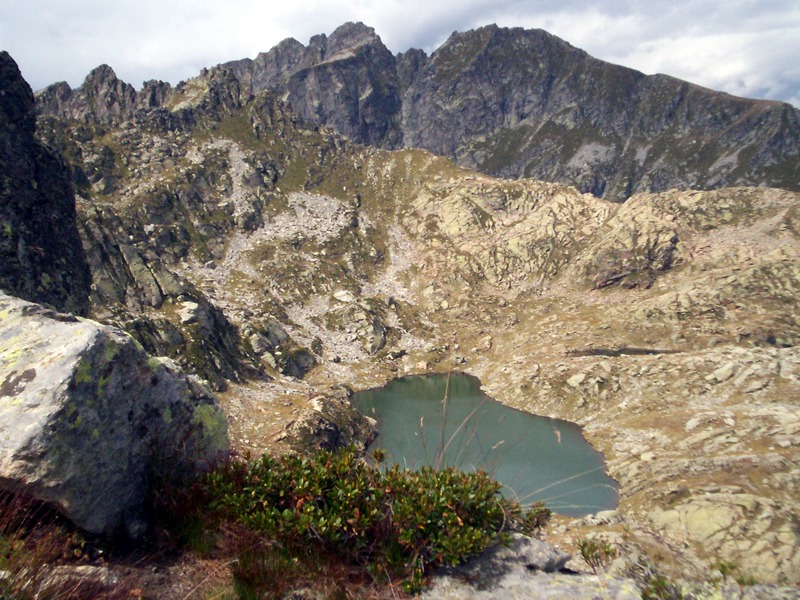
x: 88, y: 419
x: 331, y: 422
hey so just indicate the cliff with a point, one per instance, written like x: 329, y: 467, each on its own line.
x: 41, y: 255
x: 517, y: 103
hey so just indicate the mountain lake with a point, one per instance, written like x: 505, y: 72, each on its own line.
x: 446, y: 420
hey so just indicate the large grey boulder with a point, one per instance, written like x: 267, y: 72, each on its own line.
x: 88, y: 419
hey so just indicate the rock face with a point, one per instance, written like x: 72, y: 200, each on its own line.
x: 41, y: 256
x: 102, y: 95
x: 523, y: 103
x: 347, y: 81
x: 527, y: 568
x: 88, y: 419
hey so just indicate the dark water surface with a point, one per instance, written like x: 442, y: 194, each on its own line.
x: 535, y: 458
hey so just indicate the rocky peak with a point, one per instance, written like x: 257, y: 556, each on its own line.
x: 102, y: 97
x: 16, y: 99
x: 517, y: 46
x: 347, y: 81
x: 507, y: 102
x: 101, y: 76
x: 223, y: 93
x: 516, y: 103
x: 531, y: 105
x: 350, y: 36
x: 52, y: 99
x: 270, y: 67
x: 154, y: 94
x: 271, y: 70
x: 408, y: 65
x: 523, y: 103
x: 107, y: 95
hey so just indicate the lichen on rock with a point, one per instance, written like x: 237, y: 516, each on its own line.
x: 89, y: 420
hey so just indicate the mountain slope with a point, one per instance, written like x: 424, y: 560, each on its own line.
x: 516, y: 103
x: 346, y: 81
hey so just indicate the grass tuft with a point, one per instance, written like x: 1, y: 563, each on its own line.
x: 43, y: 557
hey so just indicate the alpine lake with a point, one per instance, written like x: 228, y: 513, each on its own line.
x: 446, y: 420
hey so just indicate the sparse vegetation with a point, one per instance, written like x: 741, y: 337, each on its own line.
x: 659, y: 587
x: 726, y: 569
x: 746, y: 580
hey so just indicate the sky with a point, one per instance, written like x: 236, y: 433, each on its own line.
x: 745, y: 47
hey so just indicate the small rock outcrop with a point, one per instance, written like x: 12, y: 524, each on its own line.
x: 41, y: 256
x: 526, y: 568
x: 88, y: 418
x: 330, y: 422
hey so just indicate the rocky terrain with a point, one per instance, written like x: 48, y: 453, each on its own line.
x: 507, y: 102
x: 286, y: 266
x: 89, y: 419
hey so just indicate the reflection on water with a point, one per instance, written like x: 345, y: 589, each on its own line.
x: 535, y: 458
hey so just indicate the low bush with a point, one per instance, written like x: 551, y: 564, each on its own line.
x: 394, y: 524
x: 658, y: 586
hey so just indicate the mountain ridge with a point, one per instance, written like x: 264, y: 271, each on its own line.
x: 513, y: 103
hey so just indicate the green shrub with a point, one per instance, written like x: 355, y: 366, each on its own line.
x: 726, y: 569
x: 598, y: 555
x: 393, y: 523
x: 746, y: 580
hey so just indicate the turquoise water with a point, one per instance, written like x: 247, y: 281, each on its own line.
x: 535, y: 458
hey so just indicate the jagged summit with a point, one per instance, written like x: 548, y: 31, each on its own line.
x: 350, y: 36
x: 101, y: 97
x: 509, y: 102
x: 347, y: 81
